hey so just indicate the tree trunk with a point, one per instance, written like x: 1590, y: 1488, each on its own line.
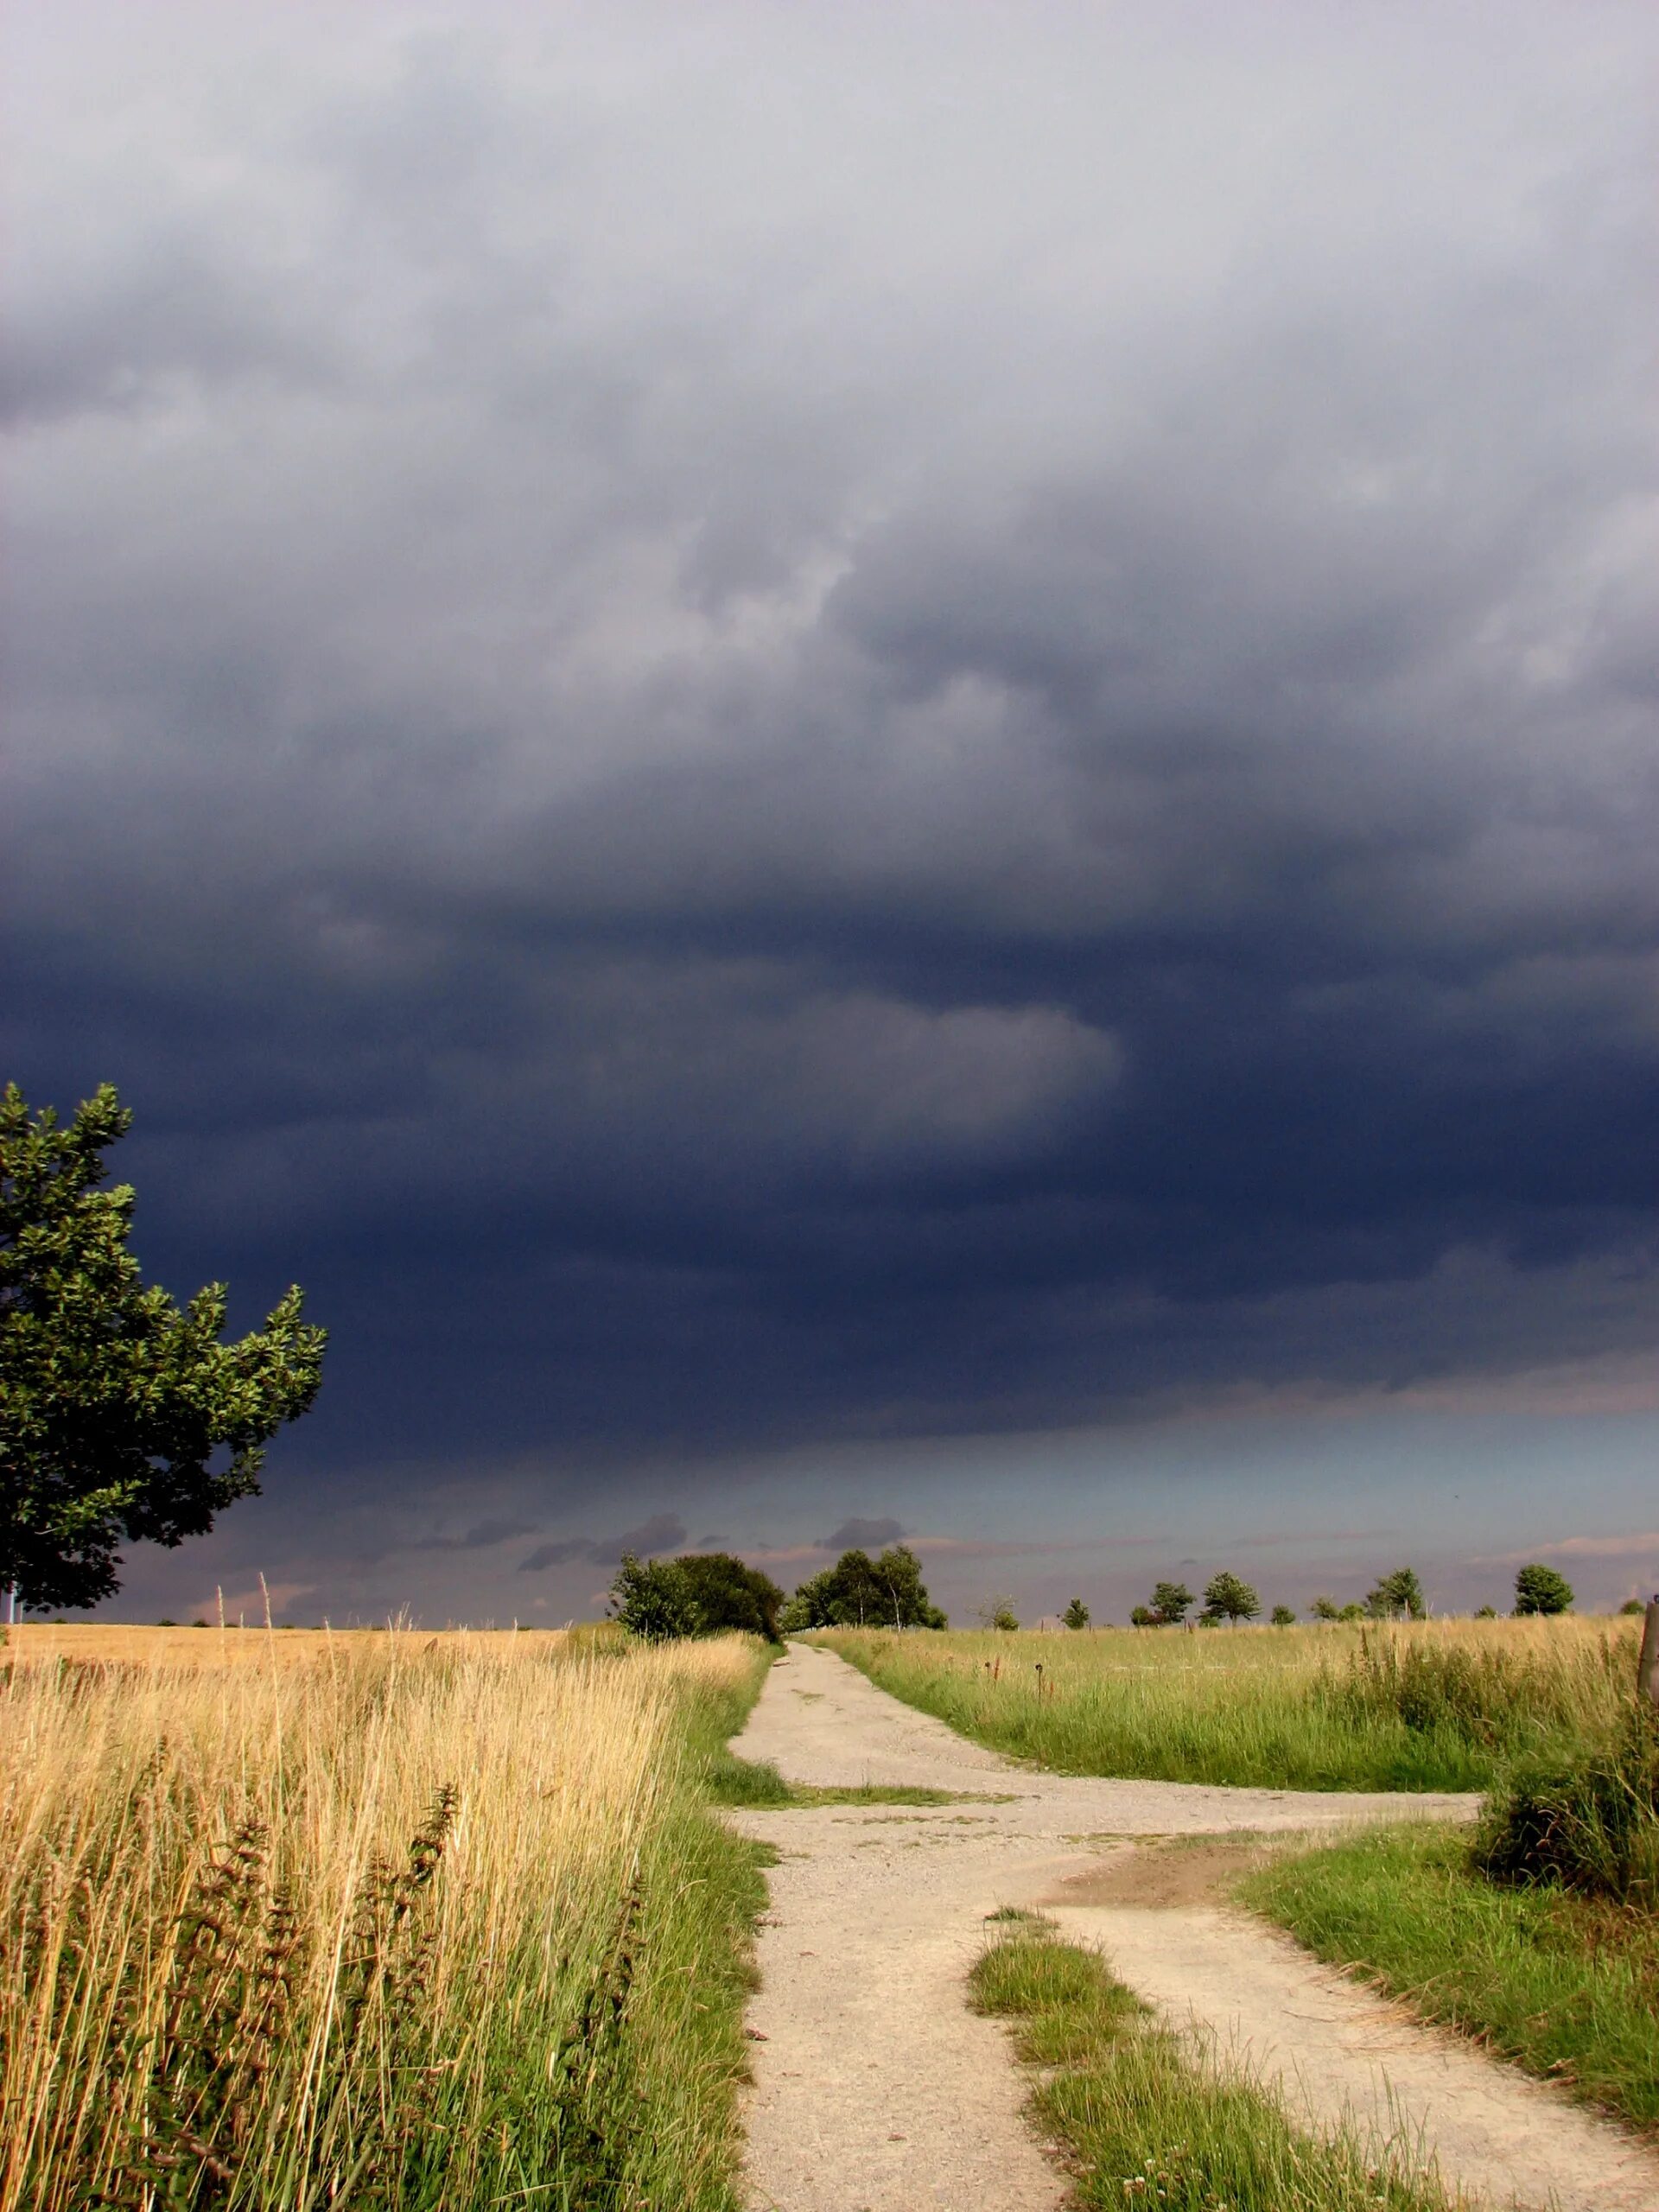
x: 1647, y: 1666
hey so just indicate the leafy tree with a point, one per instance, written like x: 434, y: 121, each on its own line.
x: 1398, y: 1596
x: 1632, y: 1605
x: 1075, y: 1614
x: 655, y: 1599
x: 1353, y: 1611
x: 1282, y: 1616
x: 1485, y: 1612
x: 1542, y: 1589
x: 859, y: 1592
x: 1171, y: 1602
x: 898, y: 1574
x: 1142, y: 1616
x: 113, y: 1399
x: 1325, y: 1609
x: 729, y: 1595
x: 1225, y: 1597
x: 998, y: 1613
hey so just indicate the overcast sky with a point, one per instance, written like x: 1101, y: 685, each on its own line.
x: 882, y: 765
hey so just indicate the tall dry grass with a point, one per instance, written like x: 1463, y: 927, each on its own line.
x: 412, y: 1922
x: 1428, y: 1705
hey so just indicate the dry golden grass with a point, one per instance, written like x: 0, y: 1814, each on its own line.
x: 381, y: 1918
x: 215, y: 1647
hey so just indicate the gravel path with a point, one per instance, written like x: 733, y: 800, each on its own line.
x: 876, y: 2090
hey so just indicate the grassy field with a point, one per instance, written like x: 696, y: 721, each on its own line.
x: 1566, y: 1985
x: 1143, y: 2125
x: 1432, y: 1704
x: 250, y: 1646
x: 384, y: 1919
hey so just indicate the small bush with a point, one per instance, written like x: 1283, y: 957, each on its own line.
x: 1593, y: 1827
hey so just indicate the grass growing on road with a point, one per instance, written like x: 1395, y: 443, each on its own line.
x: 756, y: 1783
x: 1144, y: 2122
x: 1435, y: 1705
x: 429, y: 1923
x: 1565, y: 1984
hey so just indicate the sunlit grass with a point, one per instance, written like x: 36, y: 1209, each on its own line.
x: 1434, y: 1704
x: 407, y: 1921
x: 1145, y: 2121
x: 1566, y: 1985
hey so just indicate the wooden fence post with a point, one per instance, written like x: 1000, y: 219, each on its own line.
x: 1647, y: 1666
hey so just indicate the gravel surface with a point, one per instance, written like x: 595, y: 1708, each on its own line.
x: 876, y: 2090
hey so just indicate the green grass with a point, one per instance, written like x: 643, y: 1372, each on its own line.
x: 1566, y: 1985
x: 734, y: 1781
x: 1143, y: 2123
x: 1442, y: 1705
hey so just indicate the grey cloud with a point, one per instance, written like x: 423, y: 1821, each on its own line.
x: 483, y: 1535
x: 663, y: 1532
x: 864, y: 1534
x: 555, y: 1554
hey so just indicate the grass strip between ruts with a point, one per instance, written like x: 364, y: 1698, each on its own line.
x: 1144, y: 2121
x: 1566, y: 1985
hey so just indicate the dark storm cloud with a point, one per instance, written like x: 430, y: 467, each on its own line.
x: 752, y: 731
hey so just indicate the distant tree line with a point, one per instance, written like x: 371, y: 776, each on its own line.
x: 703, y: 1593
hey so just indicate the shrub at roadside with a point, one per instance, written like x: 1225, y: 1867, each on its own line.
x: 1592, y: 1826
x: 700, y: 1593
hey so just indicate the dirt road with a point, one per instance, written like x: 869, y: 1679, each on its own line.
x: 877, y: 2091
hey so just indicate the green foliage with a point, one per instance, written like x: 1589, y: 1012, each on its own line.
x: 1282, y: 1616
x: 1398, y: 1596
x: 1226, y: 1598
x: 1540, y: 1589
x: 1142, y: 1616
x: 1591, y: 1825
x: 1143, y: 2123
x: 998, y: 1613
x: 1171, y: 1604
x: 1485, y: 1612
x: 859, y: 1591
x: 655, y: 1599
x: 1325, y: 1609
x: 1633, y: 1606
x: 701, y: 1593
x: 1075, y: 1614
x: 113, y: 1399
x: 1353, y: 1611
x: 1561, y: 1983
x: 728, y: 1594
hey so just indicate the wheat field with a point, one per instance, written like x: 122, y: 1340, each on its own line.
x: 382, y: 1919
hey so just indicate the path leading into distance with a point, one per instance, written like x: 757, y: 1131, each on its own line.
x: 876, y: 2090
